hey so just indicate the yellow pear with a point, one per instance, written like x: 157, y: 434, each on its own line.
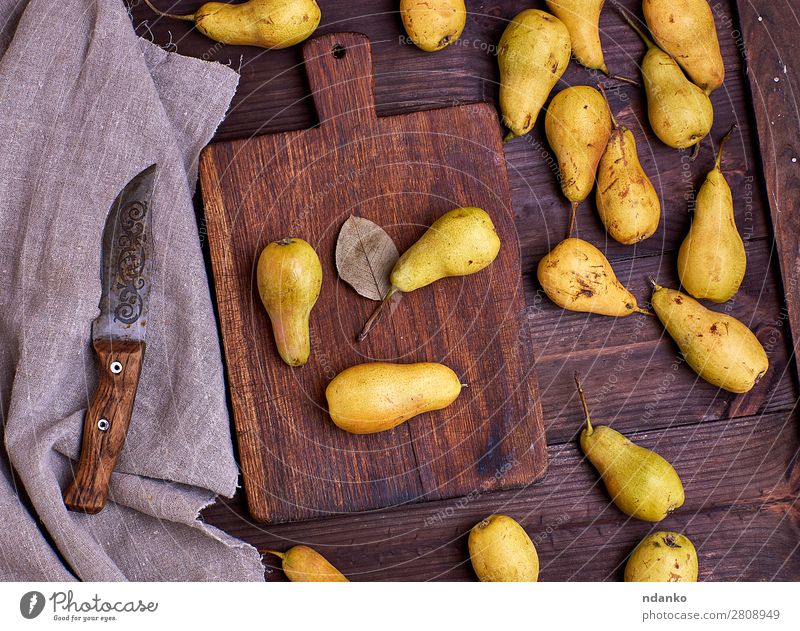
x: 374, y: 397
x: 680, y: 113
x: 463, y: 241
x: 304, y: 564
x: 577, y: 276
x: 578, y: 126
x: 533, y: 54
x: 718, y: 347
x: 712, y: 260
x: 685, y: 29
x: 501, y: 551
x: 627, y: 203
x: 433, y: 24
x: 640, y: 482
x: 582, y: 19
x: 460, y: 242
x: 289, y: 277
x: 264, y: 23
x: 662, y: 557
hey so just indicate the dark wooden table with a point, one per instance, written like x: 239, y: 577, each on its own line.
x: 737, y: 455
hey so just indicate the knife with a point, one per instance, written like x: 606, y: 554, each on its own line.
x: 118, y: 339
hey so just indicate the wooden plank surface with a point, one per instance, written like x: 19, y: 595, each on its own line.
x: 402, y: 172
x: 744, y: 517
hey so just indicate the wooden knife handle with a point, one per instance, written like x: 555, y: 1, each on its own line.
x: 106, y: 423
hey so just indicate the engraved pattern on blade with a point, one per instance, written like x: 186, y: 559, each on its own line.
x: 127, y: 249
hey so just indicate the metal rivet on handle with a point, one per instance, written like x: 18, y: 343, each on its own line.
x: 103, y: 424
x: 116, y: 367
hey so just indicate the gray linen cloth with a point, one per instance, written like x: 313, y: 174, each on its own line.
x: 84, y: 106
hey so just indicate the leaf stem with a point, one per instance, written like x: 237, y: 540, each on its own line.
x: 589, y: 428
x: 373, y: 319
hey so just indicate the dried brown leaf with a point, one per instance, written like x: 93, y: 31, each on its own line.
x: 365, y: 255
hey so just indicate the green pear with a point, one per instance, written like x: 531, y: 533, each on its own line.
x: 640, y: 482
x: 578, y: 126
x: 502, y: 552
x: 627, y: 203
x: 663, y: 557
x: 433, y: 24
x: 582, y: 19
x: 680, y: 113
x: 712, y: 260
x: 577, y: 276
x: 461, y: 242
x: 289, y: 277
x: 718, y: 347
x: 306, y: 565
x: 533, y: 54
x: 685, y: 29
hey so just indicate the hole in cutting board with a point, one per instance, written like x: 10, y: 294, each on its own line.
x: 338, y: 51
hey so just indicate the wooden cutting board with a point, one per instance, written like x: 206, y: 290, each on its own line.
x: 402, y: 172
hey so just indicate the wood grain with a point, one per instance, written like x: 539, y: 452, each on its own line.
x: 740, y: 475
x: 112, y: 402
x: 745, y: 517
x: 402, y: 173
x: 770, y: 35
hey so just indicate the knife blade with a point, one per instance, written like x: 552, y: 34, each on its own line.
x: 118, y: 338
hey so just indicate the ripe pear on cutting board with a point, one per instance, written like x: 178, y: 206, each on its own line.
x: 627, y: 203
x: 718, y: 347
x: 461, y: 242
x: 533, y: 54
x: 578, y: 126
x: 640, y: 482
x: 685, y: 29
x: 712, y: 259
x: 377, y: 396
x: 289, y: 277
x: 582, y: 19
x: 577, y: 276
x: 680, y: 113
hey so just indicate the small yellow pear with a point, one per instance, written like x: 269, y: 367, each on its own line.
x: 718, y: 347
x: 663, y: 557
x: 289, y: 277
x: 533, y: 54
x: 627, y: 203
x: 433, y: 24
x: 685, y: 29
x: 712, y: 259
x: 463, y: 241
x: 582, y: 19
x: 640, y: 482
x: 264, y: 23
x: 306, y: 565
x: 378, y: 396
x: 577, y: 276
x: 680, y: 113
x: 578, y: 126
x: 501, y: 551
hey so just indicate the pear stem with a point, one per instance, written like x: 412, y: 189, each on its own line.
x: 509, y: 137
x: 589, y: 428
x: 620, y: 77
x: 376, y: 314
x: 624, y: 14
x: 696, y: 151
x: 187, y: 18
x: 608, y: 105
x: 644, y: 311
x: 280, y: 555
x: 722, y: 144
x: 572, y: 219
